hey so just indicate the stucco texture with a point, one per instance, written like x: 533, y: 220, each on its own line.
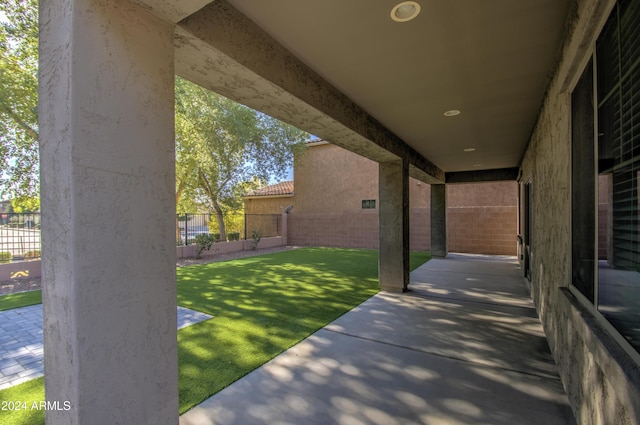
x: 599, y: 379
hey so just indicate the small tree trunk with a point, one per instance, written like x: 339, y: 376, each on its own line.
x: 220, y: 218
x: 178, y: 235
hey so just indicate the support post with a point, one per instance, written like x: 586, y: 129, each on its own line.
x: 439, y: 247
x: 106, y: 119
x: 393, y: 251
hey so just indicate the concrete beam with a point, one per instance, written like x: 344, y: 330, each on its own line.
x: 171, y: 10
x: 222, y: 50
x: 479, y: 176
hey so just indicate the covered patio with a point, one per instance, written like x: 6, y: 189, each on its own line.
x: 463, y: 347
x: 464, y: 92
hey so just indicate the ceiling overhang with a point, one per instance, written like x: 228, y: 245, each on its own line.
x: 348, y: 73
x: 221, y: 49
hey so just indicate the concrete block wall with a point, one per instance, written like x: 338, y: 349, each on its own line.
x: 477, y: 230
x: 482, y: 230
x: 229, y: 246
x: 22, y: 269
x: 419, y: 229
x: 331, y: 183
x: 345, y: 229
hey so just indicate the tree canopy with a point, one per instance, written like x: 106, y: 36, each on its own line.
x: 223, y: 148
x: 19, y: 99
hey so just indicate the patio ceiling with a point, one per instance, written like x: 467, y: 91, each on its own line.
x: 491, y: 60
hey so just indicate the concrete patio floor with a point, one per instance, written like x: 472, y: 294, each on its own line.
x: 464, y: 346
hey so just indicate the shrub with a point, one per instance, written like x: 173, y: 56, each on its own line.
x: 32, y: 254
x: 204, y: 241
x: 215, y: 236
x: 235, y: 236
x: 256, y: 235
x: 5, y: 256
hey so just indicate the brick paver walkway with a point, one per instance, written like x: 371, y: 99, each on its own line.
x: 21, y: 352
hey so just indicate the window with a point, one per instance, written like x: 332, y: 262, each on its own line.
x: 605, y: 206
x: 368, y: 204
x: 583, y: 184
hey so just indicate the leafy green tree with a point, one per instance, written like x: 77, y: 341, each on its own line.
x: 25, y: 204
x: 221, y: 146
x: 19, y: 98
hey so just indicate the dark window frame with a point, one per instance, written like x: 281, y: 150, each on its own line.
x: 368, y: 204
x: 605, y: 177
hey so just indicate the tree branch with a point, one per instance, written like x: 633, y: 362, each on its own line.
x: 26, y: 127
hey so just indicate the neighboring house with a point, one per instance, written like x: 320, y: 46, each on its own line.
x: 263, y: 209
x: 335, y: 203
x: 5, y: 206
x: 272, y: 199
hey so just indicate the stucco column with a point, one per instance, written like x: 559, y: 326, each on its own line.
x: 107, y: 183
x: 439, y: 221
x: 393, y: 253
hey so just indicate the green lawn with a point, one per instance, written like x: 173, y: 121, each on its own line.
x: 21, y: 299
x: 261, y: 306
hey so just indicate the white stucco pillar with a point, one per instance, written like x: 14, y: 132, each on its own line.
x: 393, y: 251
x: 107, y: 182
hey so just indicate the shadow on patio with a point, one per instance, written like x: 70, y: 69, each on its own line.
x: 464, y: 346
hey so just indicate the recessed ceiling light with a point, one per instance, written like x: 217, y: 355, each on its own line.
x: 452, y: 113
x: 405, y: 11
x: 469, y: 149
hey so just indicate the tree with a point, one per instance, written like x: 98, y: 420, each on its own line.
x: 19, y: 98
x: 218, y: 143
x: 222, y: 146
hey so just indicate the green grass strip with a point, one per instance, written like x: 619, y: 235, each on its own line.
x: 20, y: 408
x: 20, y: 299
x: 262, y: 306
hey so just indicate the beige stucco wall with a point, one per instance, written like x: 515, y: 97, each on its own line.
x: 268, y: 205
x: 599, y: 377
x: 327, y: 177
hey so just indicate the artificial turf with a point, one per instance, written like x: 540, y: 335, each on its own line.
x: 21, y: 299
x: 261, y: 306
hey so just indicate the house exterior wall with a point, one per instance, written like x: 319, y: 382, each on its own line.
x: 600, y: 378
x: 329, y: 179
x: 331, y: 183
x: 268, y: 205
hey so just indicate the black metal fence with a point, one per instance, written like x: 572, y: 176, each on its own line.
x: 19, y: 236
x: 20, y: 233
x: 245, y: 226
x: 238, y: 226
x: 188, y: 226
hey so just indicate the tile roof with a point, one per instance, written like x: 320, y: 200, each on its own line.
x: 282, y: 188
